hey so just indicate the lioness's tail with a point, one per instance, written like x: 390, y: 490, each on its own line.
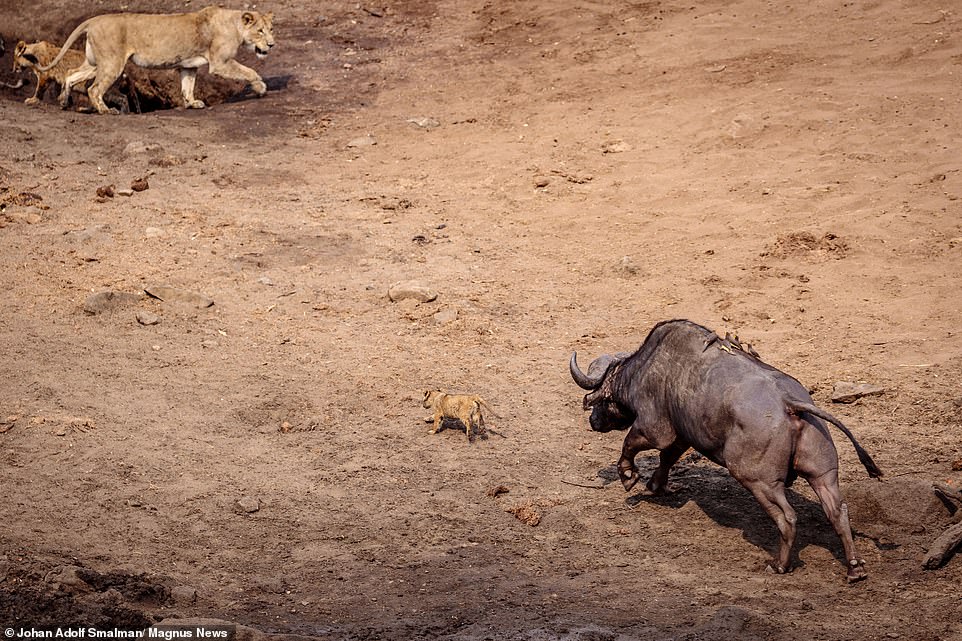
x: 863, y: 456
x: 76, y: 33
x: 487, y: 408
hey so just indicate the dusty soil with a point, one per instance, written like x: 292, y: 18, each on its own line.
x: 578, y: 171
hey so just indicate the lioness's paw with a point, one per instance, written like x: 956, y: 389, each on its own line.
x: 259, y: 88
x: 33, y: 100
x: 196, y: 104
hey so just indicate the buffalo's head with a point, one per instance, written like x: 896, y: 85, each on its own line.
x: 606, y: 413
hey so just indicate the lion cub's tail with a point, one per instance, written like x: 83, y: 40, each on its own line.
x: 76, y: 33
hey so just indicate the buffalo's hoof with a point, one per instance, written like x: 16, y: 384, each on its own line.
x: 630, y: 480
x: 856, y: 571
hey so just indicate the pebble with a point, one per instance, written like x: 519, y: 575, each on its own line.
x: 363, y: 141
x: 183, y: 594
x: 174, y: 295
x: 247, y: 505
x: 424, y: 123
x: 139, y: 147
x: 445, y: 316
x: 107, y: 300
x: 848, y: 392
x: 411, y: 289
x: 147, y: 318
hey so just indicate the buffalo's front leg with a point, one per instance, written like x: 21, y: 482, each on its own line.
x: 635, y: 442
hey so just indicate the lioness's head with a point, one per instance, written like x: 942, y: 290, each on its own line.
x: 258, y: 31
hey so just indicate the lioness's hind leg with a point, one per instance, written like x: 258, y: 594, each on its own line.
x: 79, y: 75
x: 188, y: 78
x: 106, y: 74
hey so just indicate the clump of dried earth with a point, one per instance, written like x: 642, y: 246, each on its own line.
x: 562, y: 175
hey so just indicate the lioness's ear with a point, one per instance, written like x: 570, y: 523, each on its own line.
x: 19, y: 48
x: 269, y: 17
x: 248, y: 18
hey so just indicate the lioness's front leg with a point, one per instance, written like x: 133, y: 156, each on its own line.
x: 237, y: 71
x: 188, y: 78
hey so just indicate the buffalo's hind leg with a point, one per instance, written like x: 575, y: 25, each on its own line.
x: 826, y: 487
x: 772, y: 498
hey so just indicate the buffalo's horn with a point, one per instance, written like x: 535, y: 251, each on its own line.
x: 583, y: 380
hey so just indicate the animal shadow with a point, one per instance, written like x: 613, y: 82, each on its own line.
x: 727, y: 503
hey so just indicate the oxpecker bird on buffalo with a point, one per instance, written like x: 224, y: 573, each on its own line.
x: 686, y: 387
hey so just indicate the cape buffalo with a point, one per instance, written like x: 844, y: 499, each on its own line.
x: 686, y: 387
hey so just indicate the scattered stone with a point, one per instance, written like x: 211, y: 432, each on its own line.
x: 125, y: 192
x: 265, y: 280
x: 175, y: 295
x: 527, y: 513
x: 106, y: 191
x: 541, y: 182
x: 363, y: 141
x: 183, y: 595
x: 139, y: 147
x: 247, y: 505
x: 497, y: 490
x: 425, y: 123
x: 140, y: 184
x: 25, y: 199
x: 847, y: 392
x: 627, y: 267
x: 147, y: 318
x: 153, y: 232
x: 615, y: 147
x: 445, y: 316
x: 411, y: 289
x: 165, y: 161
x: 107, y: 300
x: 67, y: 578
x: 7, y: 424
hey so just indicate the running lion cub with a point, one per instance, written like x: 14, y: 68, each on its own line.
x: 462, y: 407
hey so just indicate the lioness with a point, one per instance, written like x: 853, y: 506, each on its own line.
x: 186, y: 40
x: 464, y: 408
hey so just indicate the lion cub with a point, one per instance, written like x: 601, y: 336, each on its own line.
x: 38, y: 54
x: 462, y: 407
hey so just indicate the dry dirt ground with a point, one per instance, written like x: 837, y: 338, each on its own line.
x: 563, y: 174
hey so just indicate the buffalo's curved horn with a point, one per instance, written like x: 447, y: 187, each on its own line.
x: 583, y: 380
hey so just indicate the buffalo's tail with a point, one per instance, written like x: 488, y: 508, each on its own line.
x: 863, y: 456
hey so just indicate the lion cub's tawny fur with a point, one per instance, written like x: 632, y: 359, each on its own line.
x: 463, y: 407
x: 38, y: 54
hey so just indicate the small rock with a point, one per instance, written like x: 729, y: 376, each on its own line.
x: 107, y: 300
x: 67, y: 577
x: 541, y: 182
x: 153, y: 232
x: 125, y: 192
x: 615, y: 147
x: 183, y: 594
x: 106, y: 191
x: 247, y: 505
x: 411, y: 289
x: 847, y: 392
x: 140, y: 184
x: 139, y: 147
x: 147, y: 318
x: 626, y: 266
x: 424, y: 123
x: 265, y: 280
x: 174, y: 295
x: 363, y: 141
x: 445, y: 316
